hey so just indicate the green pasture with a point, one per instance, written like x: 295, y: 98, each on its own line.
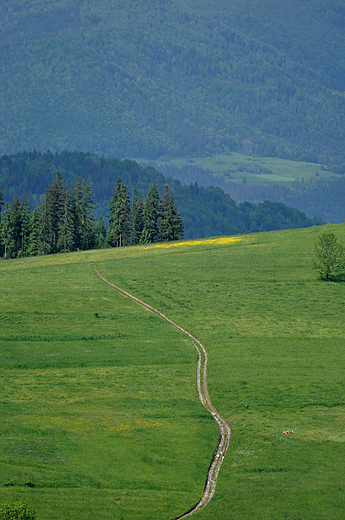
x: 253, y: 170
x: 99, y: 412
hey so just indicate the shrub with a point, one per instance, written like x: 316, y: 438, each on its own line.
x: 329, y: 257
x: 17, y: 511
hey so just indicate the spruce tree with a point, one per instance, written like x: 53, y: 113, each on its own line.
x: 36, y: 243
x: 170, y: 225
x: 1, y: 202
x: 119, y: 216
x: 136, y: 216
x: 83, y: 207
x: 1, y: 230
x: 150, y: 216
x: 53, y: 213
x: 25, y: 227
x: 65, y: 240
x: 77, y: 214
x: 101, y: 233
x: 16, y: 228
x: 7, y: 232
x: 89, y: 227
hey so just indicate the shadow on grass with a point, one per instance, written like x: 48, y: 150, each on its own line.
x: 339, y: 278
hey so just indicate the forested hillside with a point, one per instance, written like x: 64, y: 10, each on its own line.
x: 204, y: 211
x: 151, y: 78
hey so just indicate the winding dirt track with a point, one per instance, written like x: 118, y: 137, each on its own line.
x: 225, y: 432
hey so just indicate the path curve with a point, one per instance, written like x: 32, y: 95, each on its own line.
x: 225, y: 431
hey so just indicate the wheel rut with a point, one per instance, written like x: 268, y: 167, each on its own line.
x: 224, y: 428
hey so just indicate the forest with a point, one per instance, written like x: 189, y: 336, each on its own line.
x: 117, y: 203
x: 151, y: 79
x: 65, y: 222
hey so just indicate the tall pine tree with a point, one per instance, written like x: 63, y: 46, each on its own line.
x: 89, y: 226
x: 65, y: 240
x: 150, y: 216
x: 25, y: 227
x: 170, y: 225
x: 137, y: 223
x: 36, y: 242
x: 53, y: 214
x: 1, y: 202
x: 7, y: 232
x: 16, y: 227
x: 1, y: 230
x: 101, y: 233
x: 119, y: 216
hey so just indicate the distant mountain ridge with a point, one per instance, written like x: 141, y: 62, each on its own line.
x: 151, y: 78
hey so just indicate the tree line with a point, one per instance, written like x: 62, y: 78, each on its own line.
x: 65, y: 220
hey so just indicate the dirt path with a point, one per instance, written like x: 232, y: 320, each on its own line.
x: 225, y: 432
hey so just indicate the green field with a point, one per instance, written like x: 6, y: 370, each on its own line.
x: 238, y: 167
x: 100, y: 417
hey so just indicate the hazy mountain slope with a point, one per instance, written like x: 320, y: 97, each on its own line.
x: 152, y: 78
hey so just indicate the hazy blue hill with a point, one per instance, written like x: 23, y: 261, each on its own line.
x: 151, y: 78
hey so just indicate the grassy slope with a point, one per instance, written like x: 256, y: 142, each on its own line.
x: 238, y: 166
x: 89, y: 402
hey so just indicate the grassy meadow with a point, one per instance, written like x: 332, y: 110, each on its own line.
x: 99, y: 411
x: 238, y: 167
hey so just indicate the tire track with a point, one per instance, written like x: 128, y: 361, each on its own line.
x: 224, y: 428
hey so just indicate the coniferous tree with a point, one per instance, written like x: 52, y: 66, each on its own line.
x: 101, y: 233
x: 16, y: 228
x: 1, y: 231
x: 136, y: 216
x: 119, y: 213
x: 53, y: 213
x: 170, y: 224
x: 25, y: 227
x: 1, y: 202
x: 65, y: 240
x: 45, y: 222
x: 88, y: 207
x: 150, y: 216
x: 36, y: 242
x: 78, y: 217
x: 83, y: 209
x: 7, y: 232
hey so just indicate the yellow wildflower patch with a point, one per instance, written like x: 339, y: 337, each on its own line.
x: 196, y: 242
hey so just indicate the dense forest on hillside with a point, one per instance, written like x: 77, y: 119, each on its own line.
x: 322, y: 197
x: 204, y: 211
x: 146, y: 79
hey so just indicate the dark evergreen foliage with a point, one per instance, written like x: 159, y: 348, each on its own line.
x: 63, y: 222
x: 137, y: 222
x: 119, y: 216
x: 150, y: 216
x: 83, y: 206
x: 170, y: 224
